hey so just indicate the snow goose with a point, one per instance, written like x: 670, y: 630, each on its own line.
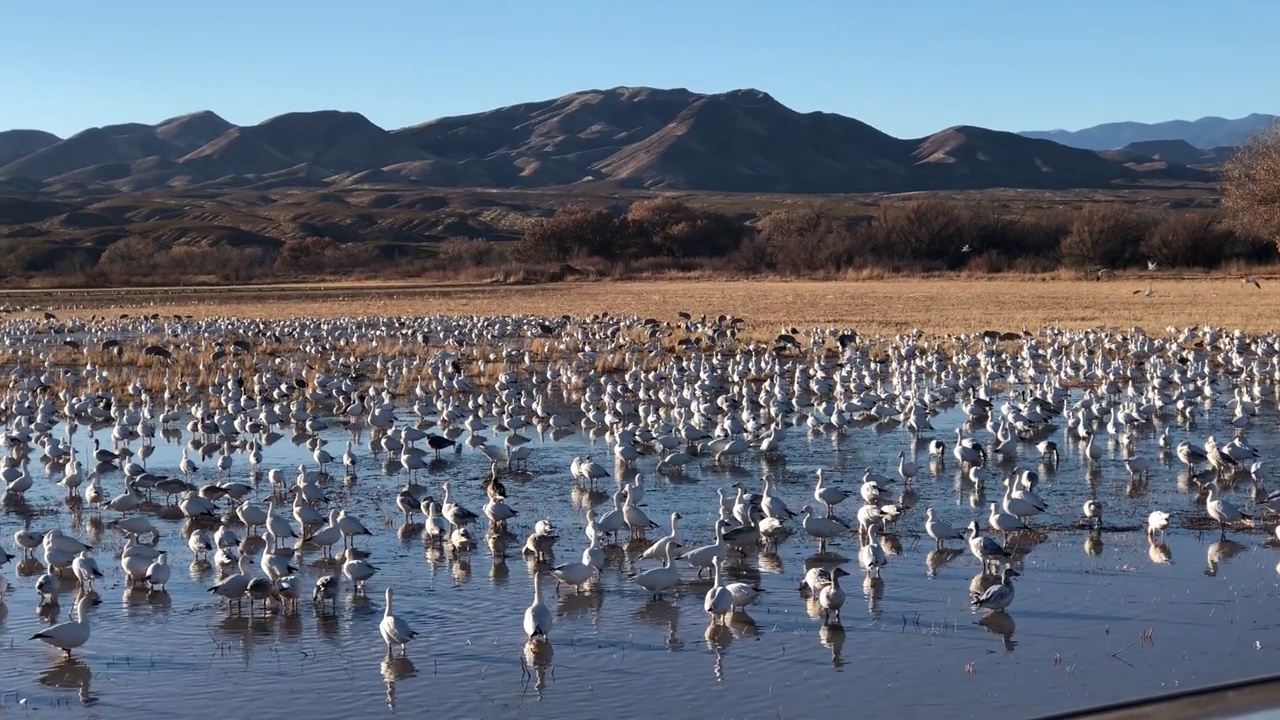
x: 574, y: 573
x: 772, y: 505
x: 457, y: 515
x: 814, y: 580
x: 744, y: 594
x: 1021, y: 503
x: 358, y: 571
x: 701, y: 557
x: 871, y: 556
x: 718, y: 601
x: 435, y: 527
x: 326, y: 590
x: 351, y: 528
x: 611, y: 522
x: 831, y: 597
x: 823, y: 528
x: 828, y: 495
x: 137, y: 525
x: 1093, y: 513
x: 537, y: 617
x: 498, y: 511
x: 1004, y: 522
x: 69, y: 635
x: 659, y: 580
x: 394, y: 629
x: 158, y: 572
x: 27, y: 540
x: 940, y: 530
x: 47, y: 588
x: 635, y: 518
x: 234, y: 586
x: 658, y: 549
x: 275, y: 566
x: 407, y: 502
x: 594, y: 555
x: 86, y: 570
x: 984, y: 548
x: 1157, y: 521
x: 251, y: 515
x: 906, y: 468
x: 276, y: 525
x: 328, y: 536
x: 1222, y: 511
x: 999, y: 596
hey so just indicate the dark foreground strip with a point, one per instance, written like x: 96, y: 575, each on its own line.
x: 1236, y: 700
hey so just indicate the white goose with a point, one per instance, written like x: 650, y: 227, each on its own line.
x: 1222, y: 511
x: 658, y: 549
x: 537, y: 617
x: 659, y: 580
x: 718, y: 601
x: 940, y: 530
x: 394, y: 630
x: 998, y: 597
x: 69, y: 635
x: 703, y: 556
x: 831, y: 597
x: 829, y: 496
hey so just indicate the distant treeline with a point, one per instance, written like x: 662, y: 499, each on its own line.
x: 922, y: 235
x: 666, y: 234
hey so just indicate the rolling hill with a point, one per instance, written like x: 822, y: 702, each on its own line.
x: 628, y: 138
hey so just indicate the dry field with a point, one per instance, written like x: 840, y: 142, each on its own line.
x: 936, y: 306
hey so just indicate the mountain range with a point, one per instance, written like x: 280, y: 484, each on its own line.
x: 1213, y: 134
x: 626, y: 137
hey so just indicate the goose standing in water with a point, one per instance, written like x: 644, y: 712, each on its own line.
x: 69, y: 635
x: 940, y: 530
x: 984, y: 548
x: 871, y: 556
x: 658, y: 549
x: 1093, y: 513
x: 537, y: 617
x: 718, y: 601
x: 1222, y: 511
x: 1157, y: 521
x: 828, y: 495
x: 659, y: 580
x: 394, y: 630
x: 831, y: 597
x: 998, y: 597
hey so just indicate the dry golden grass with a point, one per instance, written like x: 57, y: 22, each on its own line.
x: 934, y: 305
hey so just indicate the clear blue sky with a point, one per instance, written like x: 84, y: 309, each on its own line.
x: 909, y: 68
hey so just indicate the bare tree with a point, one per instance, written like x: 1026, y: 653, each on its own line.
x: 1251, y: 186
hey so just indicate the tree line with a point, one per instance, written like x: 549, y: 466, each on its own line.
x: 925, y: 234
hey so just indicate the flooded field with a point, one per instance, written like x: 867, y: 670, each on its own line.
x: 1099, y: 616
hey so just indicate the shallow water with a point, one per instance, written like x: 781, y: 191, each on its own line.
x: 1096, y: 619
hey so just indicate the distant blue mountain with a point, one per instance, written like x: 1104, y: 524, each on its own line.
x: 1207, y: 132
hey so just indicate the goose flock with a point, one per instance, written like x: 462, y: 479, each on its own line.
x: 649, y: 459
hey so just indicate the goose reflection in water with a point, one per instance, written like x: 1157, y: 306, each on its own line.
x: 1220, y: 551
x: 938, y: 559
x: 832, y: 637
x: 1000, y: 623
x: 664, y: 615
x: 1159, y: 552
x: 70, y: 674
x: 719, y: 637
x: 394, y: 669
x: 1093, y: 544
x: 584, y: 604
x: 536, y: 662
x: 873, y: 589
